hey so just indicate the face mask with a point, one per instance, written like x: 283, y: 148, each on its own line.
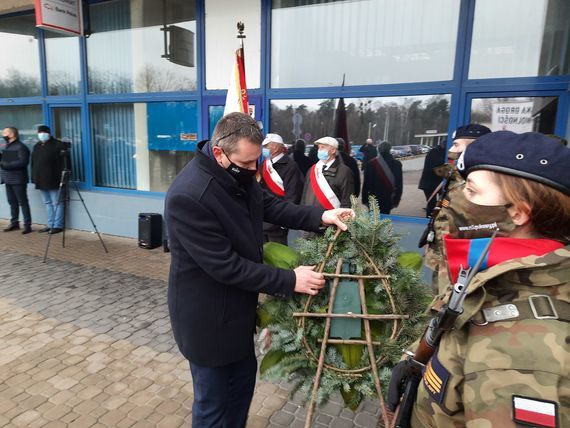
x: 242, y: 175
x: 323, y: 155
x: 265, y: 153
x: 43, y: 136
x: 470, y: 221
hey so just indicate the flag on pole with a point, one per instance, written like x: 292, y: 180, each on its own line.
x: 236, y: 99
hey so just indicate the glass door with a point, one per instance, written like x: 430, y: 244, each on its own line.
x: 66, y: 127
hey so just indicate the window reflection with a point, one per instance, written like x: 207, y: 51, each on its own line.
x: 413, y: 126
x: 371, y: 41
x: 62, y: 63
x: 20, y: 70
x: 516, y: 38
x: 516, y: 114
x: 128, y: 52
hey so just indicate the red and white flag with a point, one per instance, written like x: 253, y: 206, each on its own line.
x: 538, y: 413
x: 236, y: 99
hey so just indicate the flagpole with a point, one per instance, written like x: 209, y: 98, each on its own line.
x: 241, y: 36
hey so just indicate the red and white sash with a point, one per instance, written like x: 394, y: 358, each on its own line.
x: 384, y: 172
x: 322, y: 189
x: 272, y: 179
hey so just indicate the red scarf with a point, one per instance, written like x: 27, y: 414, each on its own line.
x: 465, y: 252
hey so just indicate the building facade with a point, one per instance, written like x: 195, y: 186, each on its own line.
x: 135, y: 95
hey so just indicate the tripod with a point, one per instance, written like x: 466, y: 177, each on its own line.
x: 63, y: 198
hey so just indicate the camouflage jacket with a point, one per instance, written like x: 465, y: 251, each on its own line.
x: 479, y: 369
x: 434, y: 256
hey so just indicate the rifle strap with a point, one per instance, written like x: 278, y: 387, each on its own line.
x: 537, y: 306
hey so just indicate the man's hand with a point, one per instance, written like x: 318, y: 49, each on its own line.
x: 337, y: 216
x: 308, y: 281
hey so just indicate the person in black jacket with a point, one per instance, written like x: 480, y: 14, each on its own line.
x: 430, y: 180
x: 214, y: 212
x: 299, y: 156
x: 14, y: 173
x: 281, y: 177
x: 368, y: 151
x: 47, y: 164
x: 350, y: 162
x: 383, y: 179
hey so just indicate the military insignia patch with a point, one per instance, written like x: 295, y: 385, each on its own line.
x: 445, y: 203
x: 435, y: 379
x: 533, y: 412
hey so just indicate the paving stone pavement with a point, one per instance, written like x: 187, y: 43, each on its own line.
x: 86, y: 342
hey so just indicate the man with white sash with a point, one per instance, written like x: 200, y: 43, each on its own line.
x: 280, y: 176
x: 383, y: 179
x: 329, y: 183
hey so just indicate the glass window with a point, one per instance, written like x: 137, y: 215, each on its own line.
x: 516, y: 114
x: 142, y: 145
x: 62, y: 63
x: 518, y: 38
x: 142, y: 46
x: 413, y: 126
x: 221, y: 41
x: 25, y: 118
x: 369, y: 41
x: 20, y: 70
x: 67, y: 128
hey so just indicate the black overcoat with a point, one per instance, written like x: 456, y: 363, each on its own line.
x: 14, y: 163
x: 47, y: 164
x: 216, y: 272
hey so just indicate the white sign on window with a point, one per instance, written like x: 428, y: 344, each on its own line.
x: 513, y: 116
x: 62, y: 16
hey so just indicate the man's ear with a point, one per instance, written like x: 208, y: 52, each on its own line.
x: 520, y: 213
x: 218, y: 153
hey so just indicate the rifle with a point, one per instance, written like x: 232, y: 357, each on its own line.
x: 442, y: 322
x: 428, y: 234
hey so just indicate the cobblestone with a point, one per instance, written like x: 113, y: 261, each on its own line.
x: 85, y: 341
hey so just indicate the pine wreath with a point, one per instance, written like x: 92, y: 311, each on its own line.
x: 371, y: 248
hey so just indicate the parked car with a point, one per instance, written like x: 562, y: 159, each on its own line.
x: 416, y: 149
x: 401, y: 151
x: 425, y: 148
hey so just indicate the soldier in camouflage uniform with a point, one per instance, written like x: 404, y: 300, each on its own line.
x: 451, y: 189
x: 506, y: 362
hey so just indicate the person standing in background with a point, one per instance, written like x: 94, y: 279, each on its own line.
x: 14, y: 173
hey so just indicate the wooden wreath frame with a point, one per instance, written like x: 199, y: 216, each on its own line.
x: 365, y: 317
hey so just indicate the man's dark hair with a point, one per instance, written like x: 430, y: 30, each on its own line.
x: 300, y: 145
x: 14, y: 131
x: 232, y: 128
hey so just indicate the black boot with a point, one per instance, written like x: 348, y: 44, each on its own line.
x: 13, y: 226
x: 27, y: 229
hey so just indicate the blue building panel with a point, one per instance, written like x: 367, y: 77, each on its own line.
x: 172, y: 126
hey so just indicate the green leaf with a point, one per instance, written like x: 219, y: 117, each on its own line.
x: 280, y: 256
x: 351, y: 354
x: 410, y: 259
x: 263, y: 317
x: 352, y: 398
x: 271, y: 358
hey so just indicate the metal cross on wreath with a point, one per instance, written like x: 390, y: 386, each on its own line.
x: 352, y: 291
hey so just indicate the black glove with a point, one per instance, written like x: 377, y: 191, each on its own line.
x: 397, y: 384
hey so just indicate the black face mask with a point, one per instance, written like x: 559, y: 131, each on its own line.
x: 242, y: 175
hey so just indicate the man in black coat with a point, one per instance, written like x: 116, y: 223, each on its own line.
x: 383, y: 179
x: 299, y: 156
x: 430, y: 180
x: 281, y: 177
x: 14, y: 173
x: 368, y: 151
x: 350, y: 162
x: 214, y: 212
x: 48, y: 162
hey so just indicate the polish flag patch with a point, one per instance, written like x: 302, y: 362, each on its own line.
x: 538, y: 413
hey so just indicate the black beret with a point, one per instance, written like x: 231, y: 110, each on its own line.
x: 473, y: 130
x: 531, y: 155
x: 44, y: 128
